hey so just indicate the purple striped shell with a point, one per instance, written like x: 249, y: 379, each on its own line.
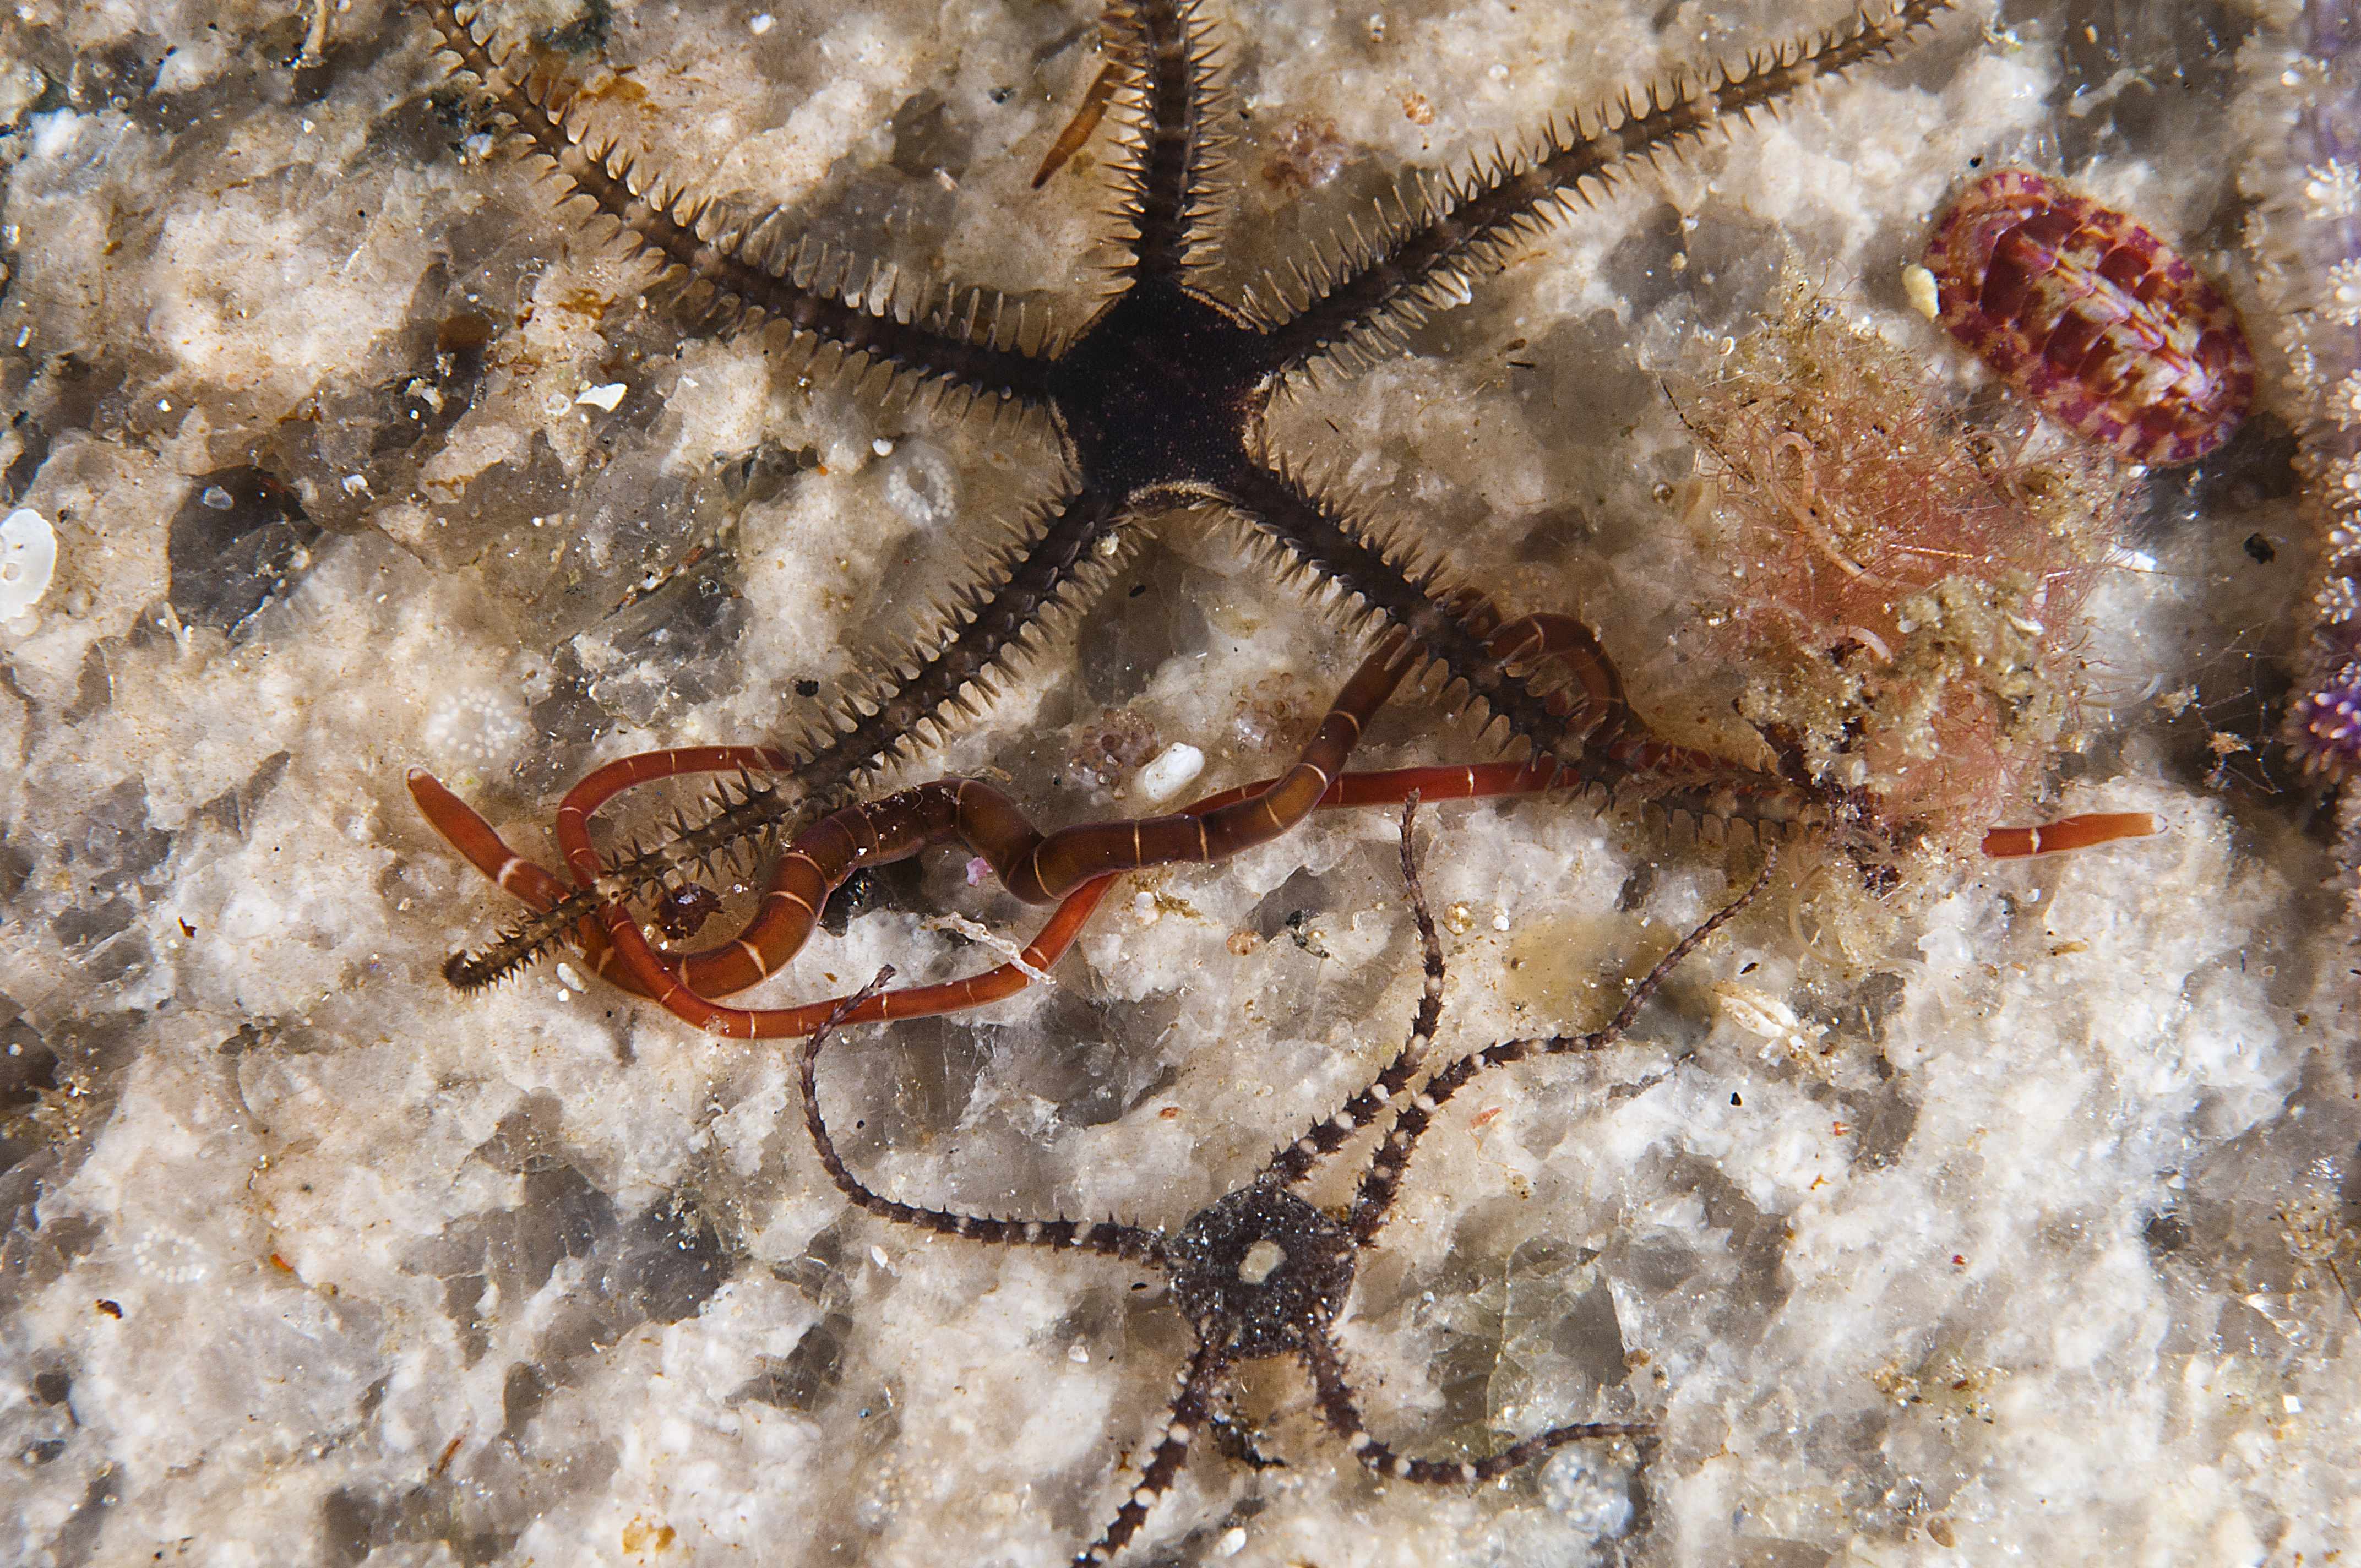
x: 2092, y: 316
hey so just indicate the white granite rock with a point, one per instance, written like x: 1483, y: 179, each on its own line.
x: 2017, y: 1245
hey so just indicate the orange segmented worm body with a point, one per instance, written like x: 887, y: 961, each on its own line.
x: 1074, y: 863
x: 2070, y: 833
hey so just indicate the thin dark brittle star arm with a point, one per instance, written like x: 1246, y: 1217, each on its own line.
x: 1487, y: 212
x: 1382, y: 1183
x: 1190, y: 1409
x: 1338, y: 1408
x: 1456, y: 631
x: 1293, y: 1162
x: 1106, y: 1236
x: 1056, y: 566
x: 665, y: 226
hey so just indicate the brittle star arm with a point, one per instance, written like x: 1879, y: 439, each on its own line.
x: 1107, y: 1236
x: 752, y: 261
x: 1382, y: 1181
x: 1295, y: 1161
x: 1054, y: 561
x: 1192, y: 1406
x: 1344, y: 1417
x: 1598, y: 742
x: 1168, y: 51
x: 1425, y: 259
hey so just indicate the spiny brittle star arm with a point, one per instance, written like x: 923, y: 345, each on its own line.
x: 747, y: 261
x: 1169, y: 51
x: 1597, y: 745
x: 1055, y: 561
x: 1468, y: 228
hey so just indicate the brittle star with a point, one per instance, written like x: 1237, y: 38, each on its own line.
x: 1157, y: 403
x: 1261, y: 1272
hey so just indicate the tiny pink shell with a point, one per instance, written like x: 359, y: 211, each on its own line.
x: 2092, y: 316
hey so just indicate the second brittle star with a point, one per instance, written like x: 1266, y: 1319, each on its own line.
x: 1261, y: 1272
x: 1157, y: 403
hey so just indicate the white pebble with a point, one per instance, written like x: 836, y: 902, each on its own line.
x: 29, y: 559
x: 605, y: 396
x: 1170, y: 771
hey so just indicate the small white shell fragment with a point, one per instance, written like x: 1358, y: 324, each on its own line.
x: 1919, y: 284
x: 1170, y: 771
x: 1757, y: 1012
x: 605, y: 396
x: 1760, y: 1012
x: 29, y: 559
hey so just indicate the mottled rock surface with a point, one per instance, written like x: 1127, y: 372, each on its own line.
x: 1998, y: 1252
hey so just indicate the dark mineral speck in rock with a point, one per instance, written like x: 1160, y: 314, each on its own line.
x: 238, y: 541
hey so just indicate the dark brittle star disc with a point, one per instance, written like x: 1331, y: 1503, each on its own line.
x: 1160, y: 388
x: 1261, y: 1269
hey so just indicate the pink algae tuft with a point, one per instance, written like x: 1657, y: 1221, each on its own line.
x: 1905, y: 588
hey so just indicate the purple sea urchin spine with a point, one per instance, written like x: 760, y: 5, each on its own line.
x: 2091, y: 316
